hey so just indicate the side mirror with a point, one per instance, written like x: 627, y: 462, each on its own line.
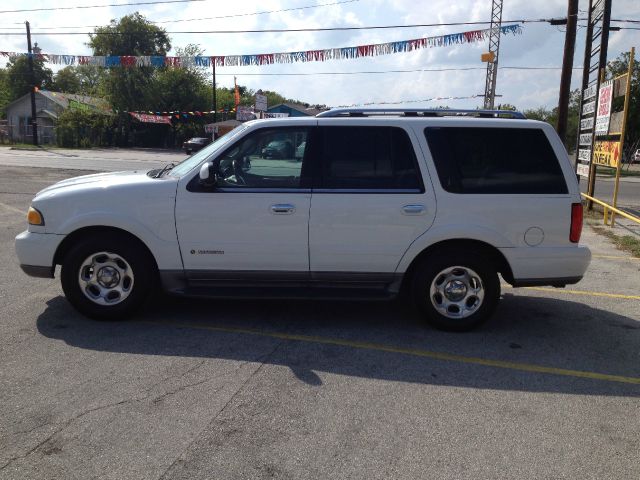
x: 207, y: 176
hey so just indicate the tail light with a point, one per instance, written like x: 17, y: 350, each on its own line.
x: 576, y: 222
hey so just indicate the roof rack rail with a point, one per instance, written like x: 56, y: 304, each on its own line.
x: 421, y: 112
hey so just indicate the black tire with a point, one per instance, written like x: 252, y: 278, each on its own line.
x: 139, y: 260
x: 431, y: 270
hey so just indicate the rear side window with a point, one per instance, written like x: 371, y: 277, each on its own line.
x: 379, y: 158
x: 495, y: 160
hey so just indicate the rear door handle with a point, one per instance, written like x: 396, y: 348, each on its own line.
x: 283, y: 209
x: 414, y: 209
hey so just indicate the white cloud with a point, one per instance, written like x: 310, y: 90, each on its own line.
x: 540, y: 45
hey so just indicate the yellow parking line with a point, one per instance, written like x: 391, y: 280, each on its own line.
x: 585, y: 293
x: 527, y: 367
x: 616, y: 257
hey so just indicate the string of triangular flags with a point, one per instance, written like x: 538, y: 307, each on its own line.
x: 372, y: 50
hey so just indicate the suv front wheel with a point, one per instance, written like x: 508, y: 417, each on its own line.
x: 456, y: 291
x: 107, y: 276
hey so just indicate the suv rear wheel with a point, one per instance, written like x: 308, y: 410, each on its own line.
x: 456, y: 291
x: 107, y: 276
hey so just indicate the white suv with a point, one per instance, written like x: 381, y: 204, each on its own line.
x: 361, y: 203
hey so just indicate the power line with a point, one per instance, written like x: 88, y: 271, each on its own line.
x: 156, y: 2
x: 259, y: 13
x: 368, y: 72
x: 209, y: 18
x: 377, y: 72
x: 284, y: 30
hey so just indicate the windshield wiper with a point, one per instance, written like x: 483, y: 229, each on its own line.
x: 165, y: 169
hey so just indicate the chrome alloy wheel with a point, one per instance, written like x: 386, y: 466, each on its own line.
x: 105, y: 278
x: 456, y: 292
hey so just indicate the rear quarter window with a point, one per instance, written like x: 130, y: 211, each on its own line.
x: 495, y: 161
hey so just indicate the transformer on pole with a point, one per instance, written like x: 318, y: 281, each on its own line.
x: 492, y: 56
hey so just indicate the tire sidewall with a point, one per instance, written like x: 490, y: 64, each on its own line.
x: 436, y: 263
x: 133, y: 254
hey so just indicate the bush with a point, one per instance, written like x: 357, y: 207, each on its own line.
x: 77, y: 128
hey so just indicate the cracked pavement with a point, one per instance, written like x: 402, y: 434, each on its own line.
x: 166, y: 396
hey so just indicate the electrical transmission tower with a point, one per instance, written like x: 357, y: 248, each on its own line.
x: 494, y: 51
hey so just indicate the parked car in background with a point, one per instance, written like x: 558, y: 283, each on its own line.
x: 195, y: 144
x: 278, y: 149
x: 636, y: 157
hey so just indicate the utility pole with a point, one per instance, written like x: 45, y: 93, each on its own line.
x: 602, y: 64
x: 34, y: 121
x: 215, y: 112
x: 494, y: 50
x: 567, y: 66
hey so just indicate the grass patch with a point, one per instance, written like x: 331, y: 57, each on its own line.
x: 627, y: 170
x: 626, y: 243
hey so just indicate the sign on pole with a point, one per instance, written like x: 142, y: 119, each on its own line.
x: 244, y: 114
x: 605, y: 96
x: 606, y: 153
x: 260, y: 103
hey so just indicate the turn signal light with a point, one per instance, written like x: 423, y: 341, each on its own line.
x: 35, y: 217
x: 576, y: 222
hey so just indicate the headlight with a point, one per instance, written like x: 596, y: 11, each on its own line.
x: 35, y: 217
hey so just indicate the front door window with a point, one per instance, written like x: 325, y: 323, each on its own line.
x: 268, y: 158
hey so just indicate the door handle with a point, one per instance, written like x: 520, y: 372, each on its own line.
x: 283, y: 209
x: 413, y: 209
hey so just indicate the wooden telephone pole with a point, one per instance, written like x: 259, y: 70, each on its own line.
x: 34, y: 120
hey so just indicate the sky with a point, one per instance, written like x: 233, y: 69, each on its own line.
x: 336, y: 83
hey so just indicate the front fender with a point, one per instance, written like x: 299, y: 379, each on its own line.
x: 161, y: 238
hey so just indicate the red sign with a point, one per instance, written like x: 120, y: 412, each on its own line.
x: 146, y: 118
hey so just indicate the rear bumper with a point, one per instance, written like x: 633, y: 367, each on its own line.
x: 545, y: 282
x: 554, y: 266
x: 35, y: 252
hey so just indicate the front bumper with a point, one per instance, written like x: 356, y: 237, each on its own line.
x: 37, y: 271
x: 36, y: 251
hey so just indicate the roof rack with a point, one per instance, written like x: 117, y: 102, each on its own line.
x: 421, y: 112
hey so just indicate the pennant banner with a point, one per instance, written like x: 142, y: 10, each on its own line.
x: 373, y: 50
x: 146, y: 118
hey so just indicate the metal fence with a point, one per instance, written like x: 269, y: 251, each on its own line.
x: 11, y: 134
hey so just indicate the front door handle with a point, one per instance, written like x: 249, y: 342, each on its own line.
x: 283, y: 209
x: 413, y: 209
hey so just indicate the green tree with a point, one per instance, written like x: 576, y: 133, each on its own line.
x: 551, y: 116
x: 66, y: 80
x: 81, y: 79
x: 617, y: 67
x: 130, y: 88
x: 20, y: 77
x: 5, y: 94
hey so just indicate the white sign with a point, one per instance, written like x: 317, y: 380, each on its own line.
x: 588, y: 108
x: 605, y: 96
x: 585, y: 139
x: 586, y: 123
x: 261, y: 103
x: 244, y: 114
x: 276, y: 115
x: 584, y: 155
x: 583, y: 170
x: 590, y: 92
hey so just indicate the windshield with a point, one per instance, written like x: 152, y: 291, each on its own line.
x: 197, y: 158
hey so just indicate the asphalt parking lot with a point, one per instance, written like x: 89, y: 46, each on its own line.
x: 195, y: 389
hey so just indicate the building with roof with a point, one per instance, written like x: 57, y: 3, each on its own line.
x: 294, y: 110
x: 49, y: 105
